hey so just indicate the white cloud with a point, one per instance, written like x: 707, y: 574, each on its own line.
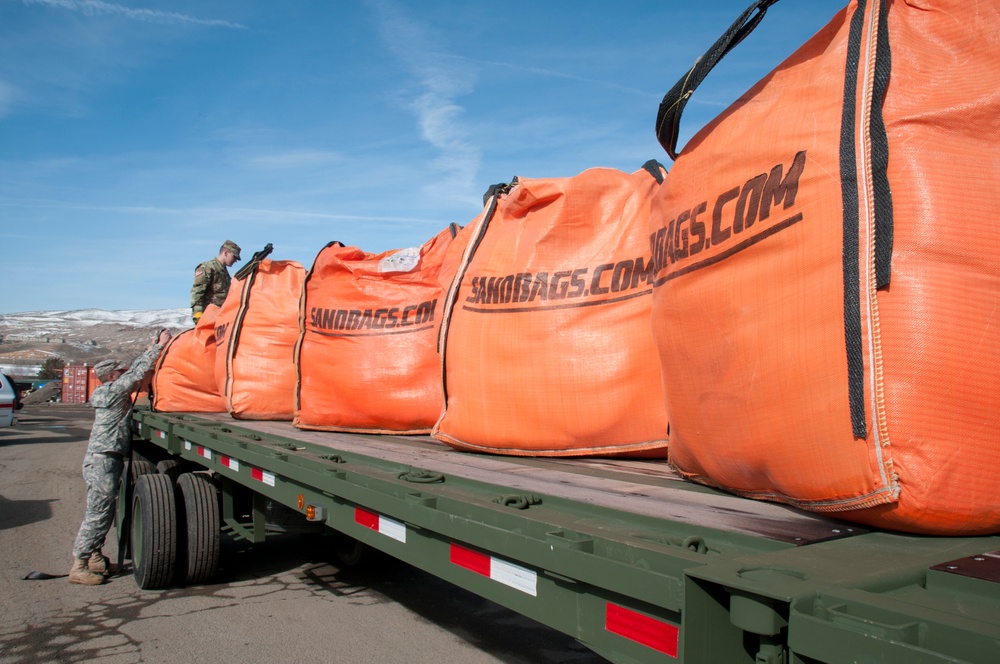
x: 296, y: 159
x: 442, y: 80
x: 204, y: 214
x: 98, y: 8
x: 8, y: 97
x: 550, y: 73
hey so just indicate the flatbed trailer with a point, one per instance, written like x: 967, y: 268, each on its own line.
x: 634, y: 562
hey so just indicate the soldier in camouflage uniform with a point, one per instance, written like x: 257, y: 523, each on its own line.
x: 211, y: 279
x: 110, y: 440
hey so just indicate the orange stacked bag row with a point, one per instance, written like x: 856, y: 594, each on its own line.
x: 539, y: 310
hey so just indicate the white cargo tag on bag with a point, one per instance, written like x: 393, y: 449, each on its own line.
x: 404, y: 260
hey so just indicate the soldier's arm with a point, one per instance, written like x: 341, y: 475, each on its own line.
x: 201, y: 280
x: 128, y: 381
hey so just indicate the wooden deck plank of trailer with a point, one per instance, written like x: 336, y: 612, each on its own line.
x: 647, y: 487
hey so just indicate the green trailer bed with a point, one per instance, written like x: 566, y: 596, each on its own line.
x: 636, y: 563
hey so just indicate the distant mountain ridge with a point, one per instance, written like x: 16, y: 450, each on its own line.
x: 143, y: 318
x: 81, y: 336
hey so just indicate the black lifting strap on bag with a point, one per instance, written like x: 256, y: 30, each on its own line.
x: 668, y: 118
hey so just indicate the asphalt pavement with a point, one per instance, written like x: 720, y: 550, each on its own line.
x: 286, y: 600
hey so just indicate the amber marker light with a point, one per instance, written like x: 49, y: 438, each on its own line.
x: 315, y: 513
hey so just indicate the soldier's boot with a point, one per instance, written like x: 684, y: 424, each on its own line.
x: 99, y: 563
x: 79, y: 573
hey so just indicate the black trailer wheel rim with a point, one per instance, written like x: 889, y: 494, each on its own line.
x: 135, y: 536
x: 125, y: 505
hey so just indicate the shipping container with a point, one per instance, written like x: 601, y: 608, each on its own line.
x: 78, y: 383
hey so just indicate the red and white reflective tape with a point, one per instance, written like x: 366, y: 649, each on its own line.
x: 161, y: 434
x: 230, y: 463
x: 639, y: 627
x: 262, y: 476
x: 381, y: 524
x: 198, y: 449
x: 502, y: 571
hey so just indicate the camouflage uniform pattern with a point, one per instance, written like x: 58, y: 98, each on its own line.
x: 211, y: 285
x: 101, y: 474
x: 110, y: 442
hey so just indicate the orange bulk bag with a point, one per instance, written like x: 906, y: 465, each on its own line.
x: 256, y: 334
x: 184, y: 376
x: 547, y: 346
x: 825, y: 305
x: 367, y: 360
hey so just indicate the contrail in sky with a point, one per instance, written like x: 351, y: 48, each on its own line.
x: 98, y: 7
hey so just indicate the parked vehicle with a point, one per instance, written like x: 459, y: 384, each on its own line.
x: 10, y: 401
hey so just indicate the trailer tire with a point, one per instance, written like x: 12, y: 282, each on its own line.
x: 141, y: 467
x: 171, y: 468
x: 198, y: 529
x: 126, y: 492
x: 154, y: 531
x: 350, y: 552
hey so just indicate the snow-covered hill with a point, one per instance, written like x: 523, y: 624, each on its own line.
x: 84, y: 335
x: 37, y: 322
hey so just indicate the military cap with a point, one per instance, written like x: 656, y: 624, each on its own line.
x: 104, y: 367
x: 231, y: 246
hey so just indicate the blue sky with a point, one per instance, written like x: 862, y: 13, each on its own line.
x: 136, y: 136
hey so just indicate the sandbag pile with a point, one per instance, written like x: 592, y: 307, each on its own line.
x: 826, y: 305
x: 367, y: 360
